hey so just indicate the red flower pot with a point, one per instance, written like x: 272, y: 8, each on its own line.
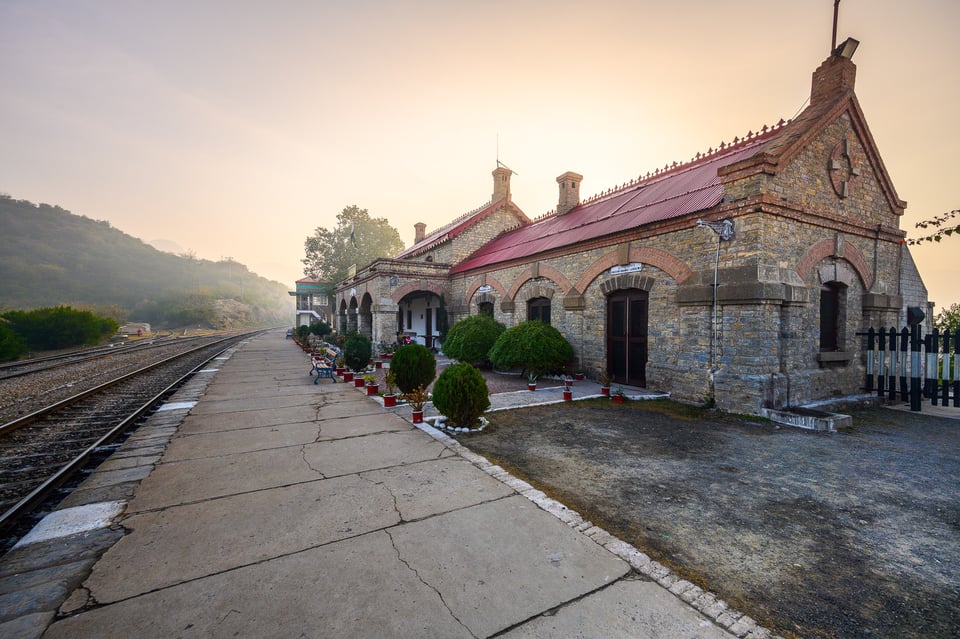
x: 531, y: 387
x: 358, y: 382
x: 567, y: 395
x: 568, y: 383
x: 379, y: 363
x: 418, y: 417
x: 604, y: 390
x: 578, y: 377
x: 372, y: 389
x: 618, y: 399
x: 389, y: 401
x: 347, y: 376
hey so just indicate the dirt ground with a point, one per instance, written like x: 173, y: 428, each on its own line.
x: 851, y: 534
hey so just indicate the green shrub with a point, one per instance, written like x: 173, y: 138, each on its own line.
x: 537, y: 347
x: 470, y: 339
x: 461, y: 395
x: 320, y: 329
x: 59, y: 327
x: 356, y: 352
x: 12, y: 345
x: 302, y: 333
x: 413, y: 365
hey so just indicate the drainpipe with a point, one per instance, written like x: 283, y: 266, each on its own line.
x: 724, y: 231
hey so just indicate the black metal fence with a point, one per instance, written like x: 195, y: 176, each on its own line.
x: 931, y: 364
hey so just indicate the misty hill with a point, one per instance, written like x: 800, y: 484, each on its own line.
x: 49, y: 256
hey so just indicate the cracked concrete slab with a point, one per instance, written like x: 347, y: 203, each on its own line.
x: 357, y: 425
x: 357, y: 454
x: 221, y: 534
x: 240, y: 441
x: 628, y: 608
x: 506, y: 556
x: 359, y: 406
x: 438, y: 486
x: 181, y: 482
x: 250, y: 402
x: 307, y: 594
x: 212, y: 423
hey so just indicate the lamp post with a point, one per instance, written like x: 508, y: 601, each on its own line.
x: 724, y: 231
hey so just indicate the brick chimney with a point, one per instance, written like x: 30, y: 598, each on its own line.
x: 836, y: 75
x: 419, y: 232
x: 569, y: 184
x: 501, y: 183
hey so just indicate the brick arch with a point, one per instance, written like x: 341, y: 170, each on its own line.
x: 626, y: 281
x: 412, y: 287
x: 544, y: 270
x: 538, y: 291
x: 834, y: 248
x: 480, y: 281
x: 664, y: 261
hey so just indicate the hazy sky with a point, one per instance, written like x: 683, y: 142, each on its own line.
x: 236, y: 128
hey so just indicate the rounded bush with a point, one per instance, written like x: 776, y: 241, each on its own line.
x: 356, y: 352
x: 413, y: 365
x: 537, y: 347
x: 461, y: 395
x: 470, y: 339
x: 320, y: 329
x: 303, y: 332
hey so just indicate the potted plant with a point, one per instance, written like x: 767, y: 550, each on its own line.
x: 531, y: 381
x: 618, y: 397
x: 340, y: 368
x: 417, y: 398
x: 578, y: 375
x: 567, y: 381
x: 604, y: 380
x: 389, y: 396
x: 371, y: 383
x: 567, y: 394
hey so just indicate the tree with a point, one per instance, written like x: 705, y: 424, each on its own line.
x: 356, y: 239
x: 537, y: 347
x: 470, y: 338
x: 948, y: 319
x: 939, y: 223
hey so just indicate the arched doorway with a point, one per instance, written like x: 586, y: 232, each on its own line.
x: 627, y: 336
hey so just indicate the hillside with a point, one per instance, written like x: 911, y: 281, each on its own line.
x: 49, y: 256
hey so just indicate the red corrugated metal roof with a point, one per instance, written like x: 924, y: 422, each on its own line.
x: 454, y: 228
x: 685, y: 189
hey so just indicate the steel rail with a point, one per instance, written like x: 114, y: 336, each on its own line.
x: 10, y: 370
x: 42, y: 491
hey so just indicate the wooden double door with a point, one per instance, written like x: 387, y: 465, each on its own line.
x: 627, y: 316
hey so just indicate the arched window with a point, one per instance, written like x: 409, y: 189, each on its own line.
x: 833, y: 316
x: 538, y: 308
x: 486, y: 308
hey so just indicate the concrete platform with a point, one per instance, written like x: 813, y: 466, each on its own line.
x: 280, y: 508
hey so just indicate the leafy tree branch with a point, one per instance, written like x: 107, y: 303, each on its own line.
x: 943, y: 224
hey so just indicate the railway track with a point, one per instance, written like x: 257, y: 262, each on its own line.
x: 41, y: 451
x: 40, y: 364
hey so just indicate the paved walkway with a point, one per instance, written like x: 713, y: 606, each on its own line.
x: 257, y: 504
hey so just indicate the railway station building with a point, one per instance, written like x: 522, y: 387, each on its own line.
x: 742, y: 276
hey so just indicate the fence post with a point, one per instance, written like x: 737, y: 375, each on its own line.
x: 904, y: 345
x: 956, y: 369
x: 945, y: 376
x: 870, y: 337
x: 915, y: 368
x: 881, y: 362
x: 892, y: 370
x: 931, y: 342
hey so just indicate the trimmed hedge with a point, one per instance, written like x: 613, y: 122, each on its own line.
x: 537, y: 347
x: 356, y: 352
x: 470, y: 339
x: 461, y: 394
x: 413, y: 365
